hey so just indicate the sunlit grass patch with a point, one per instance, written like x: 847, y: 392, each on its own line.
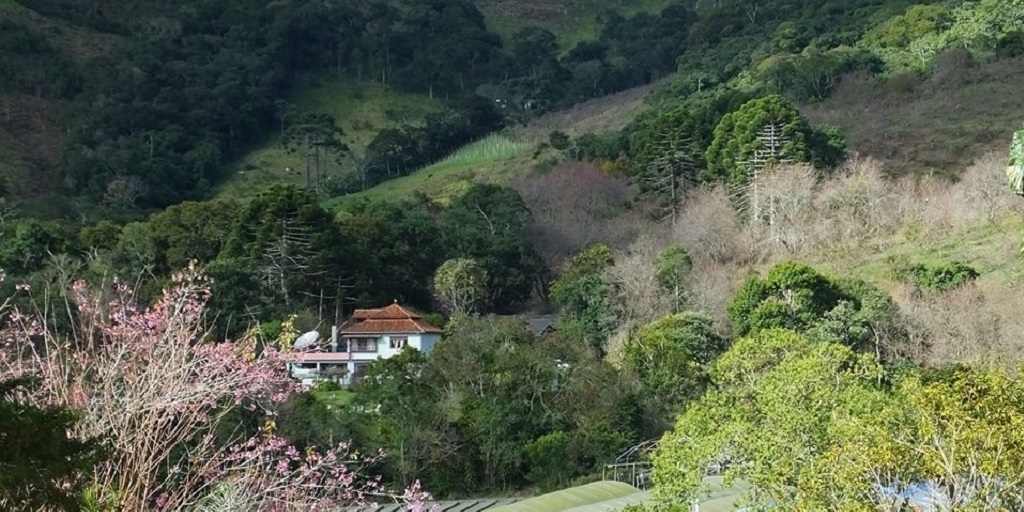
x: 489, y: 149
x: 484, y: 160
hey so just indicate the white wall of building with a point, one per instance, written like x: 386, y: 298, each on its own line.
x: 424, y: 342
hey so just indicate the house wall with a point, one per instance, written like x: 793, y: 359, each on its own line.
x: 422, y: 342
x: 428, y: 342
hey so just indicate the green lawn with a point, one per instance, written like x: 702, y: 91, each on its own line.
x: 334, y: 399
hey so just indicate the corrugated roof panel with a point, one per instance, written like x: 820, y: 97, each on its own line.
x: 573, y: 497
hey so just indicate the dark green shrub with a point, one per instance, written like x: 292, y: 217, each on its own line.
x: 558, y: 140
x: 938, y: 277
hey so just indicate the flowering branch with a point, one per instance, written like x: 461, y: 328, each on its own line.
x: 152, y: 384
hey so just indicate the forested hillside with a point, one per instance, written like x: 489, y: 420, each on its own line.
x: 775, y: 235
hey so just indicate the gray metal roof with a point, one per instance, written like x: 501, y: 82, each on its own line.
x: 541, y: 323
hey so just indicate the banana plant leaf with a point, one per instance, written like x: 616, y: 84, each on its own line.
x: 1015, y: 171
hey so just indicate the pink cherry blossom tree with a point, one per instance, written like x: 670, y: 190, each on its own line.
x: 153, y: 385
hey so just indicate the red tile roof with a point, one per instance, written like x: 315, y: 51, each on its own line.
x: 391, y: 319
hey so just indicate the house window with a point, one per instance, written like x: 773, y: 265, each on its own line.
x: 362, y: 344
x: 334, y: 369
x: 399, y: 342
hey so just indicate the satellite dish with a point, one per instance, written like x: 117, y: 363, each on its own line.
x: 306, y: 340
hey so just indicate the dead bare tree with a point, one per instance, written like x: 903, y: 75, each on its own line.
x: 669, y: 177
x: 763, y: 159
x: 572, y: 195
x: 639, y: 295
x: 287, y: 256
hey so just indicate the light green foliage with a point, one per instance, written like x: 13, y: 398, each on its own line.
x: 967, y: 432
x: 916, y: 22
x: 460, y: 283
x: 979, y: 25
x: 670, y: 358
x: 791, y: 295
x: 909, y: 41
x: 772, y: 419
x: 582, y: 296
x: 817, y: 426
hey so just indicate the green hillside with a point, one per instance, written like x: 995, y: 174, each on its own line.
x: 572, y: 20
x: 496, y: 159
x: 70, y: 37
x: 936, y: 125
x: 361, y: 109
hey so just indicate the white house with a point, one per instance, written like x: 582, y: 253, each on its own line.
x: 369, y: 335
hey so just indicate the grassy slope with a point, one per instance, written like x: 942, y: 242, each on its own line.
x: 938, y: 126
x: 29, y: 145
x: 477, y: 163
x: 598, y: 115
x: 361, y: 109
x: 990, y: 247
x: 494, y: 159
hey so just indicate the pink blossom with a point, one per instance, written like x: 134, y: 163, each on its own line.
x: 150, y: 380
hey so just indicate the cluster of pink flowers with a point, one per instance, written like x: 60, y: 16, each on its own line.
x: 151, y: 381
